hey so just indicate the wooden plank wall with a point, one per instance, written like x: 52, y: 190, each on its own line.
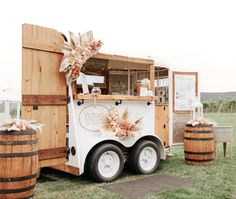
x: 162, y: 123
x: 41, y: 58
x: 179, y: 121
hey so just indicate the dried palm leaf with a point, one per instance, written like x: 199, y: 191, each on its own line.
x: 138, y: 121
x: 72, y: 39
x: 86, y: 37
x: 66, y: 51
x: 67, y: 45
x: 77, y: 52
x: 125, y: 115
x: 65, y: 64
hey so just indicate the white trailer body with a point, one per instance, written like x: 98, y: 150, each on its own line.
x: 85, y: 129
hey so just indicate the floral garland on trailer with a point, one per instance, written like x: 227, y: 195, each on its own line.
x: 77, y: 52
x: 121, y: 126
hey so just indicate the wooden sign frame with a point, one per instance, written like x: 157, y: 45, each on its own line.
x: 174, y: 86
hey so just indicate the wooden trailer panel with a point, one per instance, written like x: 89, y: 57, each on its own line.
x: 44, y: 90
x: 40, y: 73
x: 53, y: 135
x: 162, y: 123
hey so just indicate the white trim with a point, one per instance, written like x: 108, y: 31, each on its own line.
x: 73, y: 128
x: 171, y: 130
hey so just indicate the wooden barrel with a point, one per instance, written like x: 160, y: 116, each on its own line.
x: 18, y: 163
x: 199, y: 145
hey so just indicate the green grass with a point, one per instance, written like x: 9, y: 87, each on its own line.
x: 215, y: 181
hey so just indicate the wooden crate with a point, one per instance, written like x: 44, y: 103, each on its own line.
x: 44, y: 90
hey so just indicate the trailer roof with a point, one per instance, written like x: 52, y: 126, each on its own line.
x: 124, y: 58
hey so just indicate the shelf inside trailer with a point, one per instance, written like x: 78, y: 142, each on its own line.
x: 114, y: 97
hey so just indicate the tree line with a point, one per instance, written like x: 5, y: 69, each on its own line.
x: 220, y: 106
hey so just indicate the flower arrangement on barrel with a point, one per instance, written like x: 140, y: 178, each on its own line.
x: 21, y: 125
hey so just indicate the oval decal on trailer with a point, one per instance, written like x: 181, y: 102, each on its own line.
x: 91, y: 117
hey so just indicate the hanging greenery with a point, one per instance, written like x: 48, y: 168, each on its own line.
x: 76, y: 52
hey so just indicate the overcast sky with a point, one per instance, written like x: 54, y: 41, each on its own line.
x: 182, y: 35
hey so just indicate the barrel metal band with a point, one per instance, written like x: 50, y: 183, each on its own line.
x: 25, y: 142
x: 193, y: 160
x: 198, y: 132
x: 202, y: 139
x: 199, y: 153
x: 8, y: 191
x: 16, y: 155
x: 15, y: 179
x: 25, y: 132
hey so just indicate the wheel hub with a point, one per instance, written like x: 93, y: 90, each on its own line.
x: 148, y: 158
x: 108, y: 164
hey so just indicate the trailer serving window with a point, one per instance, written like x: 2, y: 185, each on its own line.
x: 96, y: 72
x: 161, y: 84
x: 124, y: 82
x: 114, y: 77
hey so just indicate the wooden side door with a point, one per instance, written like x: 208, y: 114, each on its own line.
x: 44, y: 90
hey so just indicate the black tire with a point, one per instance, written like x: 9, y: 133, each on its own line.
x: 38, y: 173
x: 134, y: 156
x: 92, y: 164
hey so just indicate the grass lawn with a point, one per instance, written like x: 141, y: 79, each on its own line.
x: 215, y: 181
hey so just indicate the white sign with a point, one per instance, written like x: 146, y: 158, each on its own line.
x: 91, y: 117
x: 184, y: 91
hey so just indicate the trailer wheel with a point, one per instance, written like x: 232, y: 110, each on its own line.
x: 106, y: 163
x: 144, y: 157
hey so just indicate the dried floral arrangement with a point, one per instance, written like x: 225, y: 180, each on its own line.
x: 19, y: 124
x: 121, y: 125
x: 202, y: 121
x: 76, y: 52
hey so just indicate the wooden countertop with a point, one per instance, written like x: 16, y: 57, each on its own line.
x: 114, y: 97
